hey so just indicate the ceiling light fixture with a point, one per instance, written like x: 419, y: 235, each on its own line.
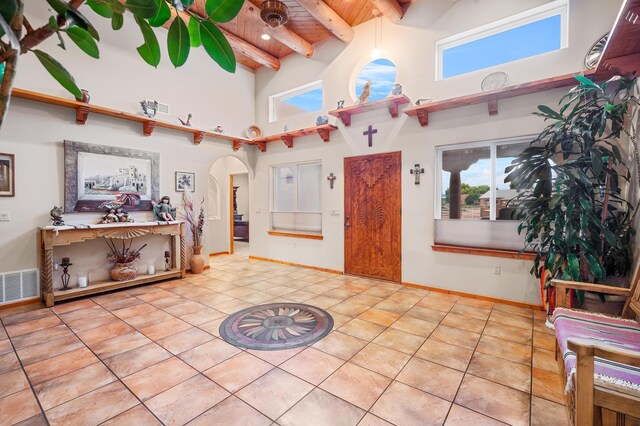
x: 274, y: 13
x: 375, y: 52
x: 265, y: 36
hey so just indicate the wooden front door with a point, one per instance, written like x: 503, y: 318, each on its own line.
x: 372, y: 200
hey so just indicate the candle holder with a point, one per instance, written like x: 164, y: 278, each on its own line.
x: 167, y: 260
x: 65, y: 272
x: 83, y: 280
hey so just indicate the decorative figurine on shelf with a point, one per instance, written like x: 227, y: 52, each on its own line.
x: 423, y: 101
x: 163, y: 211
x: 396, y: 90
x: 110, y: 217
x: 188, y: 122
x: 341, y: 104
x: 321, y: 120
x: 150, y: 109
x: 65, y: 273
x: 218, y: 129
x: 56, y: 216
x: 364, y: 96
x: 123, y: 215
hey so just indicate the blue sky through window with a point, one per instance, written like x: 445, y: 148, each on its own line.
x: 522, y: 42
x: 382, y: 73
x: 309, y: 101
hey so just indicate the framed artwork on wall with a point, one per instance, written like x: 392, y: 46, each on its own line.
x: 99, y: 177
x: 7, y: 175
x: 185, y: 181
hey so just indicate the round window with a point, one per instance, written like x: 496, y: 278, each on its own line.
x: 382, y: 74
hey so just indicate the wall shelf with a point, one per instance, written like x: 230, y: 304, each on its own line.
x: 148, y: 124
x: 392, y: 104
x: 492, y: 97
x: 508, y: 254
x: 622, y: 52
x: 323, y: 131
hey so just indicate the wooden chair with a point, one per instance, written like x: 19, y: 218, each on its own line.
x: 592, y: 401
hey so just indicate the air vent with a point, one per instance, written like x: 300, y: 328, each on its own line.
x: 162, y: 108
x: 19, y: 285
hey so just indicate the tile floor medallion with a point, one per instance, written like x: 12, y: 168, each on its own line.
x: 276, y: 326
x: 393, y: 355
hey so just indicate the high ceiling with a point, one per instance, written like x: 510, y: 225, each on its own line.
x: 302, y: 31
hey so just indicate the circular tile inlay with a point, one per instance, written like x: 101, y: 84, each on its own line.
x: 276, y: 326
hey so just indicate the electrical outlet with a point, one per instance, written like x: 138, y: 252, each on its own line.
x: 5, y: 216
x: 497, y: 270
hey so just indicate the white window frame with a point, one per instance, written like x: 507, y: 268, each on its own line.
x: 492, y: 145
x: 273, y: 99
x: 272, y: 195
x: 558, y: 7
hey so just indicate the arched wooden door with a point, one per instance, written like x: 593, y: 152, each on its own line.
x: 373, y: 202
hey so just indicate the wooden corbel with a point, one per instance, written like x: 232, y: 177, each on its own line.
x: 262, y: 146
x: 345, y: 117
x: 492, y: 105
x: 237, y: 144
x: 393, y: 110
x: 82, y: 113
x: 198, y: 137
x: 148, y: 127
x: 324, y: 134
x: 423, y: 118
x: 288, y: 140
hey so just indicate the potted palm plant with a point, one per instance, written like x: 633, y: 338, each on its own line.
x: 196, y: 226
x: 571, y: 199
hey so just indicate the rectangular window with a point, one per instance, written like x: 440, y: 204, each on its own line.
x: 530, y: 33
x: 301, y: 100
x: 474, y: 206
x: 296, y: 197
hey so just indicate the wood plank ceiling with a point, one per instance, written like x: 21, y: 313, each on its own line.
x: 249, y: 29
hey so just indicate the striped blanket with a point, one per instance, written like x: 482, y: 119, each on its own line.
x: 605, y: 330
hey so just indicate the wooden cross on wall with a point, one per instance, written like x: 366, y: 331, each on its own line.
x: 370, y: 132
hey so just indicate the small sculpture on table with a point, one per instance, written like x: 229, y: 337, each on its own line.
x: 56, y: 216
x: 110, y: 217
x: 163, y: 211
x: 123, y: 215
x: 364, y: 96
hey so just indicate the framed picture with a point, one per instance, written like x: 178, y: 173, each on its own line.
x: 185, y: 181
x: 98, y: 178
x: 7, y: 175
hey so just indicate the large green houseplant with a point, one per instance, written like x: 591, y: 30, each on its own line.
x: 570, y: 201
x: 188, y: 30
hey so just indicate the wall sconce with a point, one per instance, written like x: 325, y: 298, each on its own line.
x: 417, y: 171
x: 331, y: 178
x: 65, y: 272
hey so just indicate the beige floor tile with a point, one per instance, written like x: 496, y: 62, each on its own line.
x: 137, y: 359
x: 238, y: 371
x: 544, y: 341
x: 455, y: 336
x: 134, y: 311
x: 61, y: 345
x: 12, y: 381
x: 362, y: 329
x: 17, y: 318
x: 547, y: 413
x: 33, y: 325
x: 462, y: 322
x: 276, y: 357
x: 322, y: 301
x: 514, y: 310
x: 436, y: 304
x: 60, y: 365
x: 232, y: 306
x: 72, y: 385
x: 460, y: 416
x: 545, y: 360
x: 94, y: 407
x: 42, y: 336
x: 511, y: 319
x: 508, y: 373
x: 209, y: 354
x: 138, y: 415
x: 471, y: 311
x: 445, y: 354
x: 9, y: 362
x: 186, y: 401
x: 414, y: 326
x: 312, y: 365
x: 84, y: 313
x: 380, y: 359
x: 340, y: 345
x: 212, y: 327
x: 119, y: 344
x: 548, y: 385
x: 158, y: 378
x: 185, y: 340
x: 396, y: 306
x: 371, y: 420
x: 491, y: 399
x: 349, y: 308
x: 18, y: 406
x: 505, y: 349
x: 105, y: 332
x: 165, y: 329
x: 399, y: 340
x: 231, y: 412
x: 508, y: 332
x: 403, y: 405
x: 94, y: 321
x: 430, y: 377
x: 5, y: 346
x: 356, y: 385
x: 379, y: 316
x: 426, y: 314
x: 274, y: 393
x: 320, y: 408
x: 477, y: 303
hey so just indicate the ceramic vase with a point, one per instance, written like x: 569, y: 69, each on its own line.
x: 124, y: 272
x: 197, y: 260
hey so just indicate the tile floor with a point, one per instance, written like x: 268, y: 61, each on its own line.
x: 397, y: 355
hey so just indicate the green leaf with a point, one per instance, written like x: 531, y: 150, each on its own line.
x: 194, y: 32
x: 65, y: 9
x: 573, y: 266
x: 117, y: 20
x: 584, y: 80
x: 223, y: 10
x: 217, y: 46
x: 178, y: 42
x: 146, y: 9
x: 116, y: 6
x: 549, y: 112
x: 150, y: 49
x: 58, y: 72
x: 7, y: 10
x: 100, y: 8
x: 163, y: 15
x: 187, y: 3
x: 84, y: 41
x: 53, y: 24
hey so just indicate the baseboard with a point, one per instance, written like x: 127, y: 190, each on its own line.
x: 476, y: 296
x: 299, y: 265
x: 220, y: 253
x: 20, y: 303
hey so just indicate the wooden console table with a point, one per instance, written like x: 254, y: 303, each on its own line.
x: 53, y: 236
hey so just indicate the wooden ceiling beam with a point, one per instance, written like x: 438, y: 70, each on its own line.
x: 389, y: 8
x: 283, y: 34
x: 328, y: 18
